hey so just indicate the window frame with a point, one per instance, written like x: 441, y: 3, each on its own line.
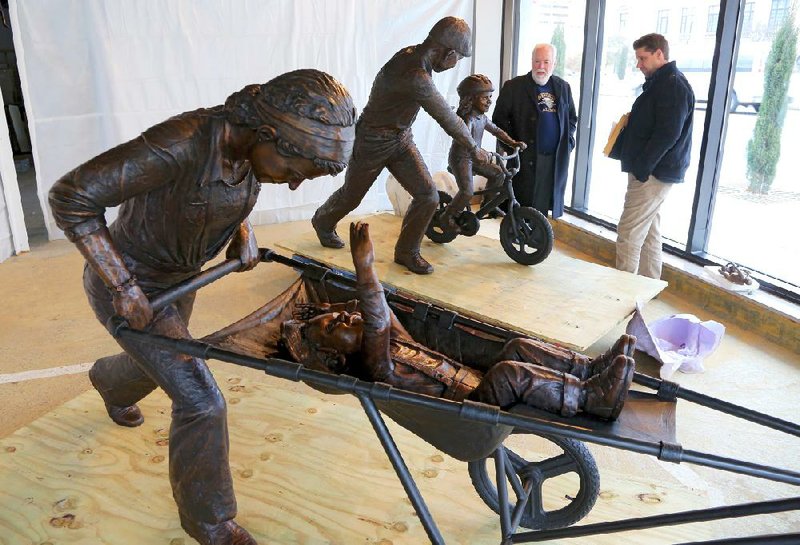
x: 662, y: 21
x: 729, y: 23
x: 687, y: 21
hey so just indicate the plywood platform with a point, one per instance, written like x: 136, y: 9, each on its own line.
x: 307, y: 469
x: 563, y: 300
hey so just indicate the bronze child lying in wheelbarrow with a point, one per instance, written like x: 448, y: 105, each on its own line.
x: 366, y: 340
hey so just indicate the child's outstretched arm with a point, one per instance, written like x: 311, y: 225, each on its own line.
x: 503, y: 136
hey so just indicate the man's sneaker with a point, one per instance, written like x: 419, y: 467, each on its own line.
x: 414, y: 262
x: 605, y: 393
x: 129, y: 416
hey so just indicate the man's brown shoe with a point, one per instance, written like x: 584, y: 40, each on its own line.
x: 222, y: 533
x: 329, y: 239
x: 414, y: 262
x: 129, y: 416
x: 606, y: 392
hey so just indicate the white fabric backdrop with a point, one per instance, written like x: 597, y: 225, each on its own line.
x: 13, y: 238
x: 6, y: 244
x: 96, y: 73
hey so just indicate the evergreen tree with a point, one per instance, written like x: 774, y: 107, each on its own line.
x: 764, y: 148
x: 561, y: 50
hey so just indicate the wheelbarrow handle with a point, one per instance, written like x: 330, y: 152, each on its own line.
x: 203, y: 278
x: 206, y: 277
x: 194, y: 283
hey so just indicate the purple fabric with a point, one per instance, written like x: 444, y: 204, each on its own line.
x: 679, y: 341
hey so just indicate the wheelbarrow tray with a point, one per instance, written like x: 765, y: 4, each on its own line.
x: 469, y: 341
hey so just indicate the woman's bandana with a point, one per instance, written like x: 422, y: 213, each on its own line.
x: 317, y: 140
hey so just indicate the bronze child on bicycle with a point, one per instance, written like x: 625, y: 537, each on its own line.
x: 525, y: 234
x: 475, y: 94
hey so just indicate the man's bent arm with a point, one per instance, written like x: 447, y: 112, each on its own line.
x: 437, y: 107
x: 79, y: 201
x: 670, y: 116
x: 573, y: 118
x: 129, y: 300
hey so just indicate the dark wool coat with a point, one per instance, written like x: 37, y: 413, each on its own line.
x: 658, y: 138
x: 517, y: 114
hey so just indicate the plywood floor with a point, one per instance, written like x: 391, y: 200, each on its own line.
x: 563, y: 299
x: 307, y: 469
x: 68, y: 475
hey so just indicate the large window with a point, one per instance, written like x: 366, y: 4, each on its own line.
x: 747, y: 19
x: 757, y: 212
x: 560, y: 22
x: 620, y: 84
x: 711, y: 19
x: 744, y: 205
x: 662, y: 21
x: 687, y: 21
x: 777, y: 13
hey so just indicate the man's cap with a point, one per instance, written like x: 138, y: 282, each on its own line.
x: 453, y: 33
x: 474, y: 84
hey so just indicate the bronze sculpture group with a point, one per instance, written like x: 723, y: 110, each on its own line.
x: 185, y: 188
x: 383, y: 139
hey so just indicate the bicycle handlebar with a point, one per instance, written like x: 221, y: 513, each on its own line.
x: 505, y: 158
x: 501, y: 160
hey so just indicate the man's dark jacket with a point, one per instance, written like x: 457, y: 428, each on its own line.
x: 658, y: 138
x: 517, y: 114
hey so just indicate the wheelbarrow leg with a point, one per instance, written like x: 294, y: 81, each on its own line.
x: 500, y: 461
x: 401, y: 469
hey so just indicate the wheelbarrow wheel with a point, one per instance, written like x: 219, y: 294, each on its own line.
x: 526, y: 236
x: 435, y: 231
x: 527, y: 479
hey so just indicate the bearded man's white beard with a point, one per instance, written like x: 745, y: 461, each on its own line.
x: 540, y: 80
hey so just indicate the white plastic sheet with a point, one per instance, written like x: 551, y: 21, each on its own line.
x: 96, y: 73
x: 680, y: 341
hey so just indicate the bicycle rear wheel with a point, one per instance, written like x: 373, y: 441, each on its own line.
x: 435, y: 231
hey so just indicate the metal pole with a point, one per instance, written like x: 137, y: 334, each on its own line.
x: 684, y: 517
x: 785, y: 539
x: 670, y: 390
x: 195, y: 283
x: 215, y: 273
x: 500, y: 461
x: 401, y: 469
x: 522, y: 504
